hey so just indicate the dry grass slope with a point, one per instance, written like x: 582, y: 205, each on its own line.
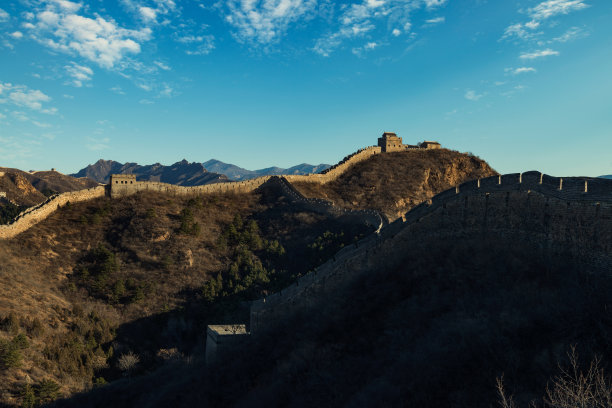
x: 394, y: 183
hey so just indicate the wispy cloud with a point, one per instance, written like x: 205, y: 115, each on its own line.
x: 162, y: 66
x: 520, y: 70
x: 198, y: 44
x: 375, y: 20
x: 434, y: 3
x: 553, y: 8
x: 471, y: 95
x: 117, y: 89
x: 264, y: 22
x: 4, y: 16
x: 59, y: 26
x: 437, y: 20
x: 96, y: 144
x: 539, y: 13
x: 571, y: 34
x: 539, y: 54
x: 369, y: 46
x: 79, y: 74
x: 520, y: 31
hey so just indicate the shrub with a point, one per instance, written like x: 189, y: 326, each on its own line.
x: 20, y: 341
x: 10, y: 356
x: 128, y: 362
x: 28, y: 398
x: 47, y: 391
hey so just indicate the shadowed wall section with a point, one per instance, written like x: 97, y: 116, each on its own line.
x: 571, y: 214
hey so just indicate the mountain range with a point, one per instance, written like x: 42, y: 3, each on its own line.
x: 181, y: 173
x: 184, y: 173
x: 234, y: 172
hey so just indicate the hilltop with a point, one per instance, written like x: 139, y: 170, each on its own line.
x: 30, y: 188
x: 395, y: 182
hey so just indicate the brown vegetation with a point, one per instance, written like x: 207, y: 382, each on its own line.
x: 396, y: 182
x: 105, y: 279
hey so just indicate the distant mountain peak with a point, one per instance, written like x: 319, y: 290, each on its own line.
x: 180, y: 173
x: 234, y: 172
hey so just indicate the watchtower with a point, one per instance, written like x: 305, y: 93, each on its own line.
x: 122, y: 179
x: 390, y: 142
x: 429, y: 145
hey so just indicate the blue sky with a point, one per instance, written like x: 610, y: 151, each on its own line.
x: 524, y: 84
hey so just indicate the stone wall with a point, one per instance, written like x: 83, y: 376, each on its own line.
x: 370, y: 218
x: 33, y: 215
x: 36, y: 214
x: 574, y: 213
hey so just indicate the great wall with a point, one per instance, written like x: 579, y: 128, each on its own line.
x: 573, y: 213
x: 122, y: 185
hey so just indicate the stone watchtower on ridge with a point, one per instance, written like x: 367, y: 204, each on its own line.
x: 390, y: 142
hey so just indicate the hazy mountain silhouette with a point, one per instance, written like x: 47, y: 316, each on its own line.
x: 234, y: 172
x: 182, y: 173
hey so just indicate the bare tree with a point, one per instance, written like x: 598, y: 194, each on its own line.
x: 574, y: 388
x: 128, y: 362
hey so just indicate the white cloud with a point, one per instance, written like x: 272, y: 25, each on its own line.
x: 434, y: 3
x: 520, y: 70
x: 17, y: 35
x: 32, y: 99
x: 436, y: 20
x: 369, y: 46
x: 97, y: 144
x: 41, y: 124
x: 396, y: 32
x: 542, y: 11
x: 167, y: 92
x: 161, y: 65
x: 145, y: 87
x: 202, y: 49
x: 147, y: 13
x: 358, y: 20
x: 264, y: 22
x: 96, y: 39
x: 551, y: 8
x: 571, y: 34
x: 4, y: 16
x: 539, y: 54
x: 22, y: 96
x: 117, y: 89
x: 79, y: 74
x: 471, y: 95
x: 519, y: 31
